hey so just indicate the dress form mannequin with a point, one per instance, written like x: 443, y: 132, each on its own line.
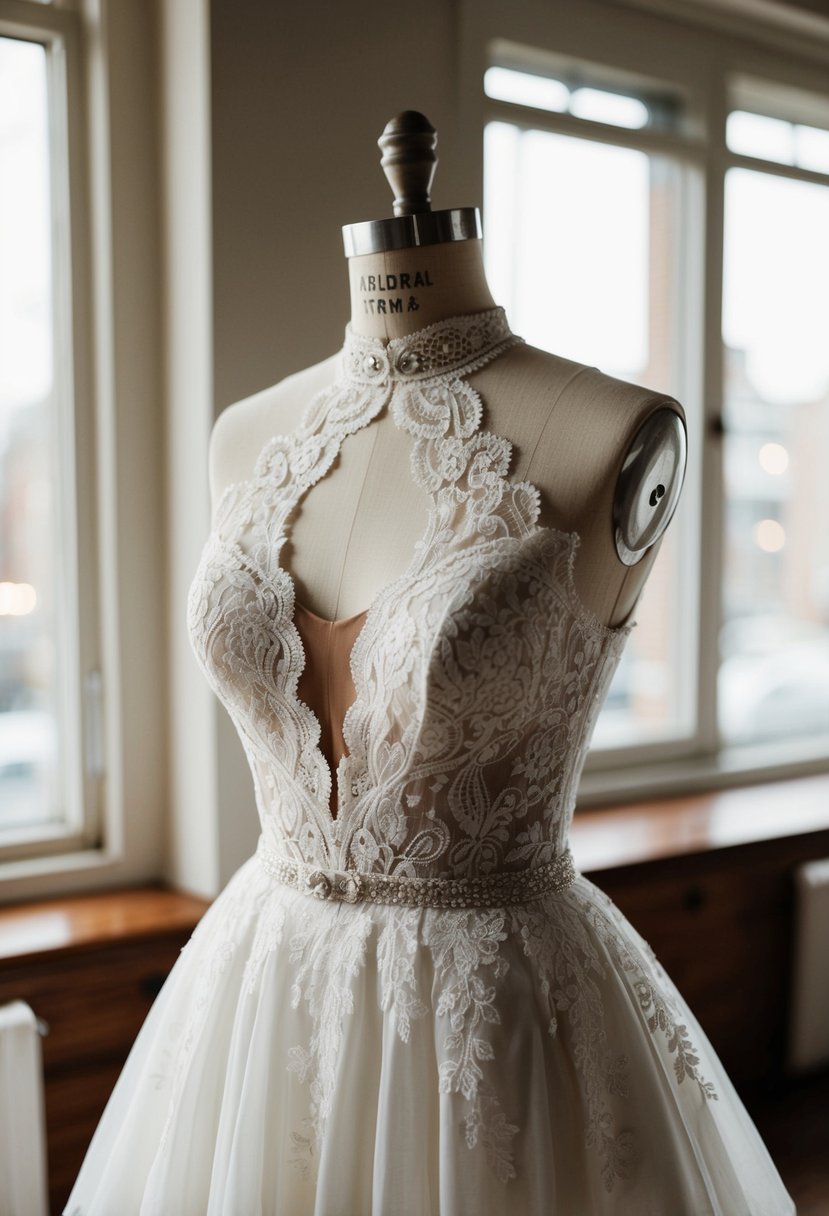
x: 574, y: 430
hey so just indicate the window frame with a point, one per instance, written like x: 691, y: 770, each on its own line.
x: 140, y: 242
x: 697, y: 60
x: 80, y: 714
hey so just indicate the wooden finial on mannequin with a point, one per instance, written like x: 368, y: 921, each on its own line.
x: 409, y: 161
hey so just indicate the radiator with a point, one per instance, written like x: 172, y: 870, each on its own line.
x: 809, y: 1023
x: 23, y: 1176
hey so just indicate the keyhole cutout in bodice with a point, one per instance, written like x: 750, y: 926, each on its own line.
x: 326, y: 684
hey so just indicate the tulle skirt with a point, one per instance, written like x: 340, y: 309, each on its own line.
x: 315, y: 1057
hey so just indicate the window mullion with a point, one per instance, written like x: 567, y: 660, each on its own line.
x: 688, y: 343
x: 774, y: 168
x: 712, y: 506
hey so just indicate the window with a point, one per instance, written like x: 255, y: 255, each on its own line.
x: 774, y: 122
x: 774, y: 646
x: 594, y: 200
x: 49, y: 676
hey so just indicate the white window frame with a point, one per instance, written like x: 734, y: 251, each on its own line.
x: 700, y: 59
x: 139, y: 253
x: 80, y: 717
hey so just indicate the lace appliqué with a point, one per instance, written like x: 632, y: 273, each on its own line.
x: 556, y: 935
x: 658, y: 1001
x: 467, y: 959
x: 328, y: 958
x: 397, y: 949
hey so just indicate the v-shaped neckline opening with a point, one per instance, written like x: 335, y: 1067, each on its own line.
x: 334, y: 775
x: 324, y: 631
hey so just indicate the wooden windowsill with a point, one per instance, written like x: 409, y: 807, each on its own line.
x: 57, y: 927
x: 611, y: 837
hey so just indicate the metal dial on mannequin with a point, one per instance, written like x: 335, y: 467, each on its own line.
x: 649, y: 484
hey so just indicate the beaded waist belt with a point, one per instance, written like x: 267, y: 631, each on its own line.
x: 486, y: 890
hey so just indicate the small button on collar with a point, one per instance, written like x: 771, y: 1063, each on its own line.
x: 409, y: 362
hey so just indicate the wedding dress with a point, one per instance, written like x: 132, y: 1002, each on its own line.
x: 408, y: 1001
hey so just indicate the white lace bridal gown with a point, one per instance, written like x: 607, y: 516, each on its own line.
x: 413, y: 1004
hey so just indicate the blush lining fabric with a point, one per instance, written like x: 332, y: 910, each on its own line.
x: 326, y: 685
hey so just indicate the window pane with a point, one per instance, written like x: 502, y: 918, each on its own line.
x: 775, y: 139
x: 547, y: 93
x: 567, y: 256
x: 526, y: 89
x: 774, y: 675
x: 29, y: 695
x: 811, y: 148
x: 580, y: 241
x: 757, y: 135
x: 601, y: 106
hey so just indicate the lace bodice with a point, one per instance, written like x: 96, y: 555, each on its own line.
x: 478, y: 673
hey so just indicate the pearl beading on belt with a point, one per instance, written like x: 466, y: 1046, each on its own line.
x: 486, y: 890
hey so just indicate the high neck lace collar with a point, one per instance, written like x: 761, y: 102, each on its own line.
x: 455, y: 345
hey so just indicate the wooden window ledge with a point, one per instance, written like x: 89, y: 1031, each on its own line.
x: 70, y: 924
x: 613, y: 837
